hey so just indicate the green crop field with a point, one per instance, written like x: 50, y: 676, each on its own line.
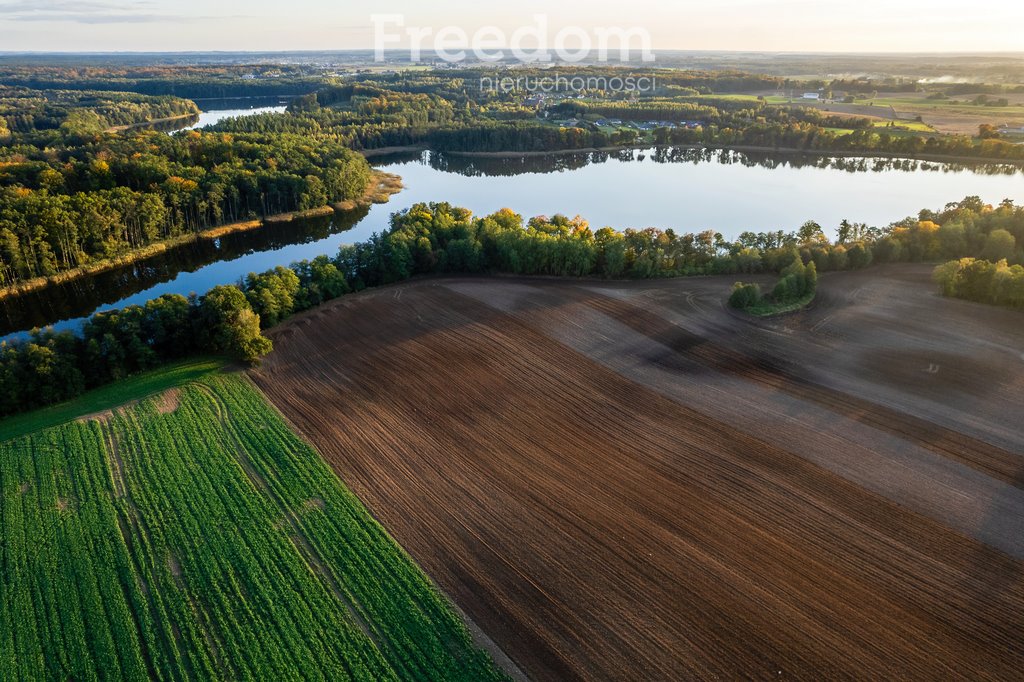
x: 194, y: 536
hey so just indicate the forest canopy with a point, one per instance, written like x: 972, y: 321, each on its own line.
x: 105, y: 195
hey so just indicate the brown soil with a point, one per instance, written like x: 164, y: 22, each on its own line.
x: 313, y: 503
x: 167, y: 402
x: 627, y: 481
x: 174, y: 566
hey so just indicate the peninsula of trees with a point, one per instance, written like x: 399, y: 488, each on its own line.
x: 437, y: 238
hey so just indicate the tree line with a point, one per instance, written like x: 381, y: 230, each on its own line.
x: 982, y: 281
x: 25, y: 111
x: 438, y: 238
x: 448, y: 112
x: 180, y: 80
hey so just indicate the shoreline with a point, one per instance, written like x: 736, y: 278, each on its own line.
x: 936, y: 158
x: 380, y: 190
x: 147, y: 124
x: 789, y: 151
x: 384, y: 151
x: 386, y: 185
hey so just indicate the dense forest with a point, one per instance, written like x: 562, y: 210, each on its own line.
x: 439, y: 238
x: 26, y: 111
x: 73, y: 196
x: 192, y: 81
x: 451, y: 112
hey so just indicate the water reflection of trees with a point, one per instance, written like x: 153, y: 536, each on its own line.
x: 507, y: 166
x: 81, y: 297
x: 172, y: 125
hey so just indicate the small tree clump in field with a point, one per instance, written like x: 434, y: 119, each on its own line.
x: 744, y: 296
x: 797, y: 281
x: 979, y: 280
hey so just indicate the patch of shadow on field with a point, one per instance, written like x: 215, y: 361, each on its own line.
x: 483, y: 641
x: 684, y: 350
x: 401, y: 325
x: 731, y: 355
x: 938, y: 375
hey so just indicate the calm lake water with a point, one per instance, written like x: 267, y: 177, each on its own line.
x: 684, y: 190
x: 215, y: 111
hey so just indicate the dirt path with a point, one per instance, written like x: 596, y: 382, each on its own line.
x: 626, y: 481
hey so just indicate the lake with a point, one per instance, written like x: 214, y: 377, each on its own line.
x: 686, y: 190
x: 215, y: 111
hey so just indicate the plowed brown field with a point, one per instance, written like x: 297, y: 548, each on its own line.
x: 626, y: 481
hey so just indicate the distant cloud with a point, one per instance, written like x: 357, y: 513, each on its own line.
x: 70, y: 6
x: 103, y: 18
x: 90, y: 12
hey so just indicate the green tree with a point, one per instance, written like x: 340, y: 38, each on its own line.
x: 231, y: 326
x: 272, y: 294
x: 999, y: 245
x: 811, y: 233
x: 744, y: 296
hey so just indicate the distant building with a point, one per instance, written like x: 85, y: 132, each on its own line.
x: 814, y: 96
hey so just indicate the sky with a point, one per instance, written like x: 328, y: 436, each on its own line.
x: 749, y: 25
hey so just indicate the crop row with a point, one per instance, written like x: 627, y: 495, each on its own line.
x: 204, y: 540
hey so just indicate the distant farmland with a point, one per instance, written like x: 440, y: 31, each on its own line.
x: 193, y: 536
x: 623, y: 480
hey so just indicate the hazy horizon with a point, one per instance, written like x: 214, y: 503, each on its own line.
x: 672, y: 51
x: 787, y: 26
